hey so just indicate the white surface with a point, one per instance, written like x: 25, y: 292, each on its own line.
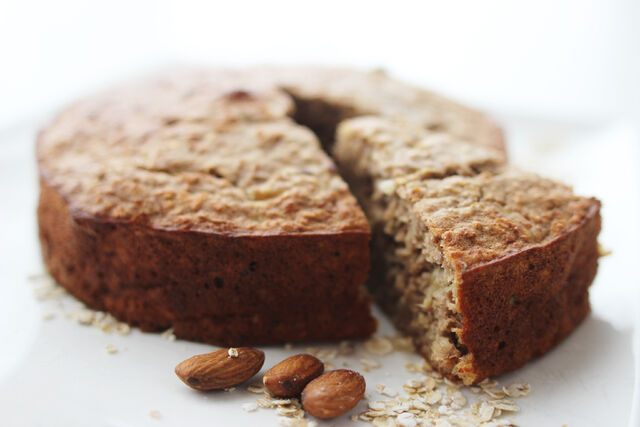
x: 569, y: 59
x: 572, y: 58
x: 57, y: 373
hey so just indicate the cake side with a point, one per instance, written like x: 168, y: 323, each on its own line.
x: 210, y: 287
x: 546, y: 299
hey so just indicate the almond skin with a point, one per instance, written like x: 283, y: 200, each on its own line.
x: 333, y: 394
x: 289, y: 377
x: 218, y: 370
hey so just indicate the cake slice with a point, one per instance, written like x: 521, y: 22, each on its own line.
x: 483, y: 265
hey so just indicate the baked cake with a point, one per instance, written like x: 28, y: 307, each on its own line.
x: 203, y: 201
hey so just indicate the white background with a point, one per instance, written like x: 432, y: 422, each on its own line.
x: 570, y: 59
x: 563, y: 77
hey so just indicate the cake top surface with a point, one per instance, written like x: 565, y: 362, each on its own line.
x: 483, y: 218
x: 216, y: 150
x: 393, y: 149
x: 214, y: 158
x: 473, y: 207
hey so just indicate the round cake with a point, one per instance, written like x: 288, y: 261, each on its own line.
x: 206, y: 201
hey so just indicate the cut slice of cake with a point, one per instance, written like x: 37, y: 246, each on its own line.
x: 483, y: 265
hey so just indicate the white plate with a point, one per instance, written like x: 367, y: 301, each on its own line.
x: 57, y: 373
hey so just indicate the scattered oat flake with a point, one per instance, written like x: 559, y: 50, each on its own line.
x: 326, y: 354
x: 505, y: 405
x: 48, y: 316
x: 412, y: 367
x: 486, y: 411
x: 168, y: 335
x: 111, y: 349
x: 282, y: 401
x: 407, y: 419
x: 369, y: 363
x: 602, y: 251
x: 402, y: 343
x: 292, y: 422
x: 233, y: 352
x: 264, y: 402
x: 413, y: 383
x: 346, y: 348
x: 84, y: 316
x: 288, y: 411
x: 123, y: 329
x: 383, y: 422
x: 517, y: 390
x: 450, y: 383
x: 385, y: 391
x: 379, y: 346
x: 445, y: 410
x: 230, y: 389
x: 430, y: 383
x: 377, y: 405
x: 155, y: 414
x: 458, y: 398
x: 433, y: 397
x: 250, y: 406
x: 33, y: 277
x: 312, y: 350
x: 256, y: 388
x: 49, y: 290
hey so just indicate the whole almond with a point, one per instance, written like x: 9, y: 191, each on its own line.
x: 333, y: 394
x: 288, y: 378
x: 220, y: 369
